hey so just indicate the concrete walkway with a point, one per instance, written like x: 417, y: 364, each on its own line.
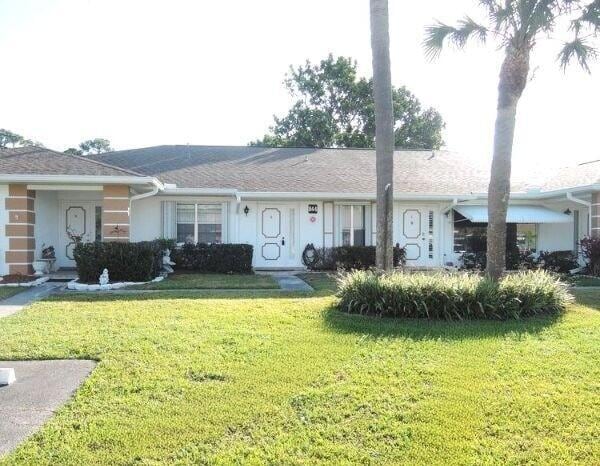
x: 41, y: 388
x: 17, y: 302
x: 290, y: 282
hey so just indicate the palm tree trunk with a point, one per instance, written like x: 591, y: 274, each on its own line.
x: 513, y: 79
x: 384, y: 132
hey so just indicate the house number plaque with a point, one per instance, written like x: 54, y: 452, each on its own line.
x: 313, y: 208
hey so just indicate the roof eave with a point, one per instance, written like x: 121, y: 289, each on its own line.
x: 80, y: 179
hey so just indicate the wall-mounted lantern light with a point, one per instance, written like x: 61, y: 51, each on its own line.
x: 246, y: 210
x: 567, y: 212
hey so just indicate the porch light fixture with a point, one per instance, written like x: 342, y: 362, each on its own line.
x: 246, y: 210
x: 567, y: 212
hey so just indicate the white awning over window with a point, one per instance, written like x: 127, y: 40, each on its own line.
x: 515, y: 214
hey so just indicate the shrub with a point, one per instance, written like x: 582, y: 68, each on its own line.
x: 590, y: 249
x: 457, y: 296
x: 558, y: 261
x: 217, y: 258
x: 346, y: 257
x: 515, y: 260
x: 136, y: 262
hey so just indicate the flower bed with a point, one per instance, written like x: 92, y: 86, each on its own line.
x: 75, y: 285
x: 22, y: 280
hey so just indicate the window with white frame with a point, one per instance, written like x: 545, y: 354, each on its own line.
x: 352, y: 219
x: 199, y: 223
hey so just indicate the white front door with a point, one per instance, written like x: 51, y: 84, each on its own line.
x: 417, y: 235
x: 77, y: 219
x: 276, y: 244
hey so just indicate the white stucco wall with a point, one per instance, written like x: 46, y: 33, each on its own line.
x: 46, y: 220
x: 3, y: 222
x: 146, y: 224
x: 145, y: 219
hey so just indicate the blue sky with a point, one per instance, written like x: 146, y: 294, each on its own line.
x: 149, y: 72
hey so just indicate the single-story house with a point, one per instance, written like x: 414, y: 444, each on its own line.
x: 279, y: 200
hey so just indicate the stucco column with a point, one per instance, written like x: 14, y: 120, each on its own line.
x: 596, y: 214
x: 115, y: 213
x: 20, y: 206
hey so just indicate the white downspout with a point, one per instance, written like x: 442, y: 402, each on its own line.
x: 155, y: 188
x: 443, y: 253
x: 451, y: 206
x: 571, y: 198
x: 238, y: 206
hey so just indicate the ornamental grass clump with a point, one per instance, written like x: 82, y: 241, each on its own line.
x: 451, y: 296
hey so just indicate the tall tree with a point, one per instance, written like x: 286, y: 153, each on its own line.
x: 73, y: 151
x: 384, y: 131
x: 95, y: 146
x: 334, y: 108
x: 10, y: 139
x: 517, y: 25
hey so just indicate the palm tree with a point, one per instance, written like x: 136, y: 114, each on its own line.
x: 384, y: 131
x: 517, y: 25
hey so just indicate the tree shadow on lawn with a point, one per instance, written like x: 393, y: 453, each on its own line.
x: 589, y: 298
x: 429, y: 329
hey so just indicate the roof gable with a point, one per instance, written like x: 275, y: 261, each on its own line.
x: 33, y: 160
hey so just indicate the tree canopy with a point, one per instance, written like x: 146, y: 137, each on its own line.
x: 91, y: 146
x: 518, y: 24
x: 334, y: 107
x: 10, y: 139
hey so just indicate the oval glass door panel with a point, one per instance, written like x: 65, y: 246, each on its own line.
x: 75, y: 226
x: 75, y: 221
x: 271, y: 251
x: 271, y: 223
x: 413, y: 251
x: 411, y: 223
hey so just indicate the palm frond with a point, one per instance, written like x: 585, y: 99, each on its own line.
x: 591, y: 15
x: 468, y: 28
x: 542, y: 16
x: 437, y: 34
x: 578, y: 50
x: 499, y: 12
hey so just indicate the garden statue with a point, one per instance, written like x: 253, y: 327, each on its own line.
x: 167, y: 262
x: 104, y: 277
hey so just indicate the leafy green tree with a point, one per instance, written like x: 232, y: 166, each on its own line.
x: 10, y: 139
x: 516, y: 26
x: 95, y: 146
x: 384, y: 132
x: 73, y: 151
x: 335, y: 108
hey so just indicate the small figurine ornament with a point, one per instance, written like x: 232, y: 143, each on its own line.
x: 167, y: 262
x: 104, y: 277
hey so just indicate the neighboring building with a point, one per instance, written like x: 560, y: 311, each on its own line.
x: 278, y: 200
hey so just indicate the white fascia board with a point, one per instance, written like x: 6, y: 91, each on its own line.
x: 555, y: 193
x: 65, y: 187
x: 169, y: 191
x: 348, y: 196
x: 81, y: 179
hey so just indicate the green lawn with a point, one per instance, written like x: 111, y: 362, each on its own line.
x: 189, y: 281
x: 265, y: 378
x: 585, y: 281
x: 320, y: 281
x: 8, y: 291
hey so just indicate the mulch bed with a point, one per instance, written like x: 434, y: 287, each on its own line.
x: 14, y: 278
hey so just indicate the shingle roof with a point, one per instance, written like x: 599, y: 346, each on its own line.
x: 584, y: 174
x: 256, y: 169
x: 33, y: 160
